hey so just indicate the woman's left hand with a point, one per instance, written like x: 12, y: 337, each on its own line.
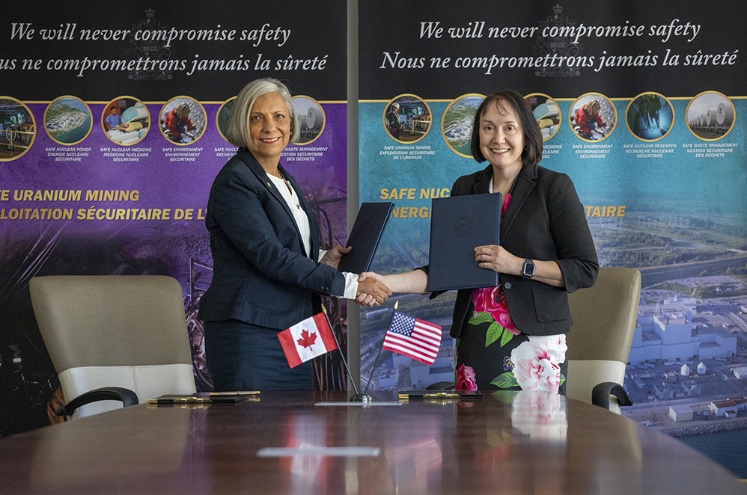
x: 499, y: 260
x: 334, y: 255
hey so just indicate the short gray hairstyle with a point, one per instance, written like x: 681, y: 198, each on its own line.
x: 237, y: 128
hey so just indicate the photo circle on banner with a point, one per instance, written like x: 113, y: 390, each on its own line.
x: 68, y: 120
x: 125, y: 120
x: 593, y: 117
x: 456, y: 123
x: 311, y: 119
x: 221, y: 121
x: 182, y: 120
x: 407, y: 118
x: 17, y: 129
x: 649, y: 116
x: 546, y: 112
x: 710, y: 115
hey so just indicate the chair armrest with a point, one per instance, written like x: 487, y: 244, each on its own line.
x: 126, y: 396
x: 601, y: 393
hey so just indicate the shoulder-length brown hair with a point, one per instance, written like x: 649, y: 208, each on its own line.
x: 532, y: 153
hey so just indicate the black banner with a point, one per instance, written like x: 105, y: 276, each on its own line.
x: 207, y: 50
x: 565, y: 49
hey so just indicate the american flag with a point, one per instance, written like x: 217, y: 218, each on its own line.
x: 414, y: 338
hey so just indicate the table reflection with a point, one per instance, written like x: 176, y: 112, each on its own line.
x: 502, y: 444
x: 508, y: 442
x: 540, y: 415
x: 72, y: 457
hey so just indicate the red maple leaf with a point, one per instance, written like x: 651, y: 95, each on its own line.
x: 306, y: 340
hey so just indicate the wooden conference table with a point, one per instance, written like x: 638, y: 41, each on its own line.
x: 292, y: 443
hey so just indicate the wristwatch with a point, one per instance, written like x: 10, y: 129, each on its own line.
x: 528, y: 269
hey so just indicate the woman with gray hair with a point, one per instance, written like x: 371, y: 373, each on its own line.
x: 268, y: 271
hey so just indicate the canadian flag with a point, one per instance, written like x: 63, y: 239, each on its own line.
x: 306, y: 340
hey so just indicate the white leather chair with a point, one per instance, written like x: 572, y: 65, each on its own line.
x: 114, y: 340
x: 604, y: 320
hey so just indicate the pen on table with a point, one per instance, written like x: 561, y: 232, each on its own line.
x: 238, y: 392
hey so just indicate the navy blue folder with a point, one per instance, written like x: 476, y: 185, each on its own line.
x: 458, y: 225
x: 365, y: 236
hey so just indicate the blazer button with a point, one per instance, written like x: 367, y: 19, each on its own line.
x: 507, y: 286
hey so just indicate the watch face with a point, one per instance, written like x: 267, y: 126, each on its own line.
x: 528, y: 269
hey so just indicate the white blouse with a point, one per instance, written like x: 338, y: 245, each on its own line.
x: 299, y: 215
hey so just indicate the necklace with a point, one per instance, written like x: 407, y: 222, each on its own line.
x: 291, y: 196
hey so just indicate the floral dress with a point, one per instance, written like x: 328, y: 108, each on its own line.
x: 493, y: 354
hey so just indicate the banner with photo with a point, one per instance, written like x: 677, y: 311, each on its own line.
x: 661, y: 171
x: 111, y: 132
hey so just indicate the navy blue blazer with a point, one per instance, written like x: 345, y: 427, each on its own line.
x: 261, y: 272
x: 545, y: 220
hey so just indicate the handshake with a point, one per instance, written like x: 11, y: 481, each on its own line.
x: 372, y: 288
x: 372, y: 291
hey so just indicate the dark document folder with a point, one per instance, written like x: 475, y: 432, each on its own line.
x: 458, y: 225
x: 365, y: 236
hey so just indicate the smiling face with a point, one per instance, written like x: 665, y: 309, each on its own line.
x: 269, y: 129
x: 501, y: 135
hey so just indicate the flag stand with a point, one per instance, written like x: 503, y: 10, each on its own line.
x: 373, y: 367
x: 358, y: 396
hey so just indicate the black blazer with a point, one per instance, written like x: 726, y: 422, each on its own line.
x: 261, y: 272
x: 545, y: 221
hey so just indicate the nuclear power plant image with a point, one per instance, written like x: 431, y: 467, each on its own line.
x: 457, y: 123
x: 68, y: 120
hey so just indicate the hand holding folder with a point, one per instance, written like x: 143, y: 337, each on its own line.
x: 458, y: 225
x: 365, y: 236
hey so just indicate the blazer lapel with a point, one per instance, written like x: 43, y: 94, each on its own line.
x: 261, y: 175
x: 482, y: 186
x: 525, y: 183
